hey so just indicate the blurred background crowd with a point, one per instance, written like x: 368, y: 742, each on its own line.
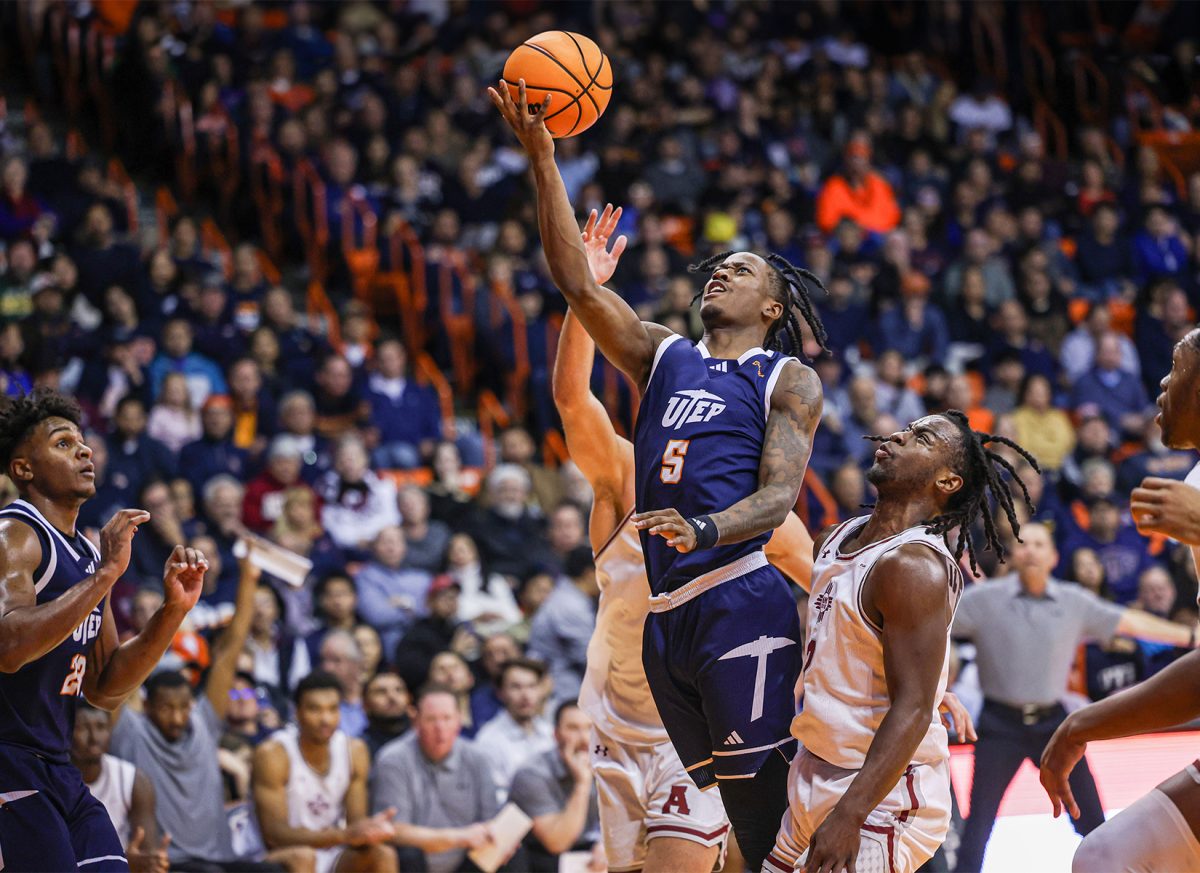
x: 285, y: 256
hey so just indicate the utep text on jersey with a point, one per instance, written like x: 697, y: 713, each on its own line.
x: 698, y: 445
x: 37, y: 702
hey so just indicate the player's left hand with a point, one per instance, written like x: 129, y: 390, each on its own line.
x: 1059, y: 758
x: 670, y: 525
x: 955, y: 716
x: 596, y: 234
x: 1168, y: 507
x: 183, y: 577
x: 834, y: 845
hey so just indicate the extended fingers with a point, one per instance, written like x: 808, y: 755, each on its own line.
x: 612, y: 219
x: 589, y: 226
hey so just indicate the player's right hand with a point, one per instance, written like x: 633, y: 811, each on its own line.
x: 1059, y: 758
x: 116, y: 539
x: 530, y: 128
x: 370, y: 831
x: 1168, y: 507
x: 596, y: 235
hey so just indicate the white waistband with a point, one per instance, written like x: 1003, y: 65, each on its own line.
x: 711, y: 579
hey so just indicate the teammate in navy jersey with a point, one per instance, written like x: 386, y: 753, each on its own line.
x: 58, y: 639
x: 722, y: 441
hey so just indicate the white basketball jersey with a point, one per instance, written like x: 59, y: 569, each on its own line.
x: 615, y: 694
x: 1193, y: 479
x: 316, y: 801
x: 845, y: 690
x: 114, y: 788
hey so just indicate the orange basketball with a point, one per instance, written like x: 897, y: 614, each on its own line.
x: 569, y: 67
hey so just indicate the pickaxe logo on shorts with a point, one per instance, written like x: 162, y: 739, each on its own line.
x: 761, y: 649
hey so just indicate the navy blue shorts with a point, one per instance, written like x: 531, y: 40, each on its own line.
x: 50, y: 821
x: 723, y: 669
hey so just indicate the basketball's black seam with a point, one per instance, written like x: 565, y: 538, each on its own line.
x: 567, y: 70
x: 582, y: 57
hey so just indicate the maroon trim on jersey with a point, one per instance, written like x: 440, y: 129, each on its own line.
x: 679, y: 829
x: 612, y: 536
x: 890, y: 832
x: 778, y: 863
x: 910, y: 784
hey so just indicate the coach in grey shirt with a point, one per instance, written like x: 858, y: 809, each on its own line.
x: 556, y: 789
x: 1027, y: 628
x: 440, y: 785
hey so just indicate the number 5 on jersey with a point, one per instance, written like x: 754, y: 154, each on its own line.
x: 672, y: 462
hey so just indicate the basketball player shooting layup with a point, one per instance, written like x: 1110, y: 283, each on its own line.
x: 870, y: 784
x: 1161, y: 831
x: 723, y: 437
x: 651, y: 813
x: 58, y: 639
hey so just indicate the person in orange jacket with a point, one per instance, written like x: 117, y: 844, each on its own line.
x: 857, y: 193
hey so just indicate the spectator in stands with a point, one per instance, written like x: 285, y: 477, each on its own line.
x: 846, y: 319
x: 135, y: 457
x: 391, y: 596
x: 487, y: 600
x: 859, y: 193
x: 427, y: 539
x: 518, y: 448
x: 20, y: 211
x: 16, y: 282
x: 979, y: 253
x: 430, y: 634
x: 297, y: 419
x: 449, y: 669
x: 509, y: 534
x: 358, y: 504
x: 1159, y: 326
x: 102, y: 260
x: 336, y: 606
x: 1078, y: 353
x: 1156, y: 592
x: 497, y: 650
x: 253, y: 407
x: 174, y: 421
x: 299, y: 347
x: 848, y: 487
x: 981, y: 109
x: 892, y: 394
x: 1158, y: 249
x: 281, y: 660
x: 222, y: 504
x: 214, y: 453
x: 1043, y: 429
x: 1118, y: 395
x: 1154, y: 459
x: 406, y: 415
x: 914, y: 328
x: 262, y: 506
x: 533, y: 592
x: 1121, y: 549
x: 440, y: 786
x: 386, y: 702
x: 520, y: 730
x: 565, y: 530
x: 561, y: 629
x: 123, y: 789
x: 163, y: 531
x: 244, y: 717
x: 1011, y: 335
x: 339, y: 407
x: 214, y: 335
x: 449, y: 497
x: 341, y: 656
x: 175, y: 744
x: 557, y: 790
x: 203, y: 376
x: 299, y: 530
x: 1104, y: 258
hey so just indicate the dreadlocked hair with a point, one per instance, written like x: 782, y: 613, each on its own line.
x: 790, y: 286
x: 983, y: 473
x: 20, y: 415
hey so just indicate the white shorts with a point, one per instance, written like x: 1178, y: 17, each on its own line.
x: 899, y: 835
x: 645, y: 794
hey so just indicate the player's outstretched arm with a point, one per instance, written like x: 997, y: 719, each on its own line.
x: 29, y: 630
x: 622, y: 337
x: 115, y: 669
x: 790, y: 550
x: 795, y: 413
x: 907, y: 593
x: 1168, y: 698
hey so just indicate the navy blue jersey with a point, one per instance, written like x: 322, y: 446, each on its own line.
x: 37, y: 703
x: 698, y: 445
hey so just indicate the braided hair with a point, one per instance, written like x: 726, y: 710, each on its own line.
x: 982, y: 471
x: 789, y: 286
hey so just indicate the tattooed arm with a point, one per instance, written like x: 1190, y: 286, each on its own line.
x: 795, y: 412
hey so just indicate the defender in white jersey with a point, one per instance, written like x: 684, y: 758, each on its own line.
x: 652, y: 814
x: 869, y: 788
x: 1161, y: 831
x: 310, y: 787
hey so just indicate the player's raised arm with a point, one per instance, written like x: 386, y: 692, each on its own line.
x: 907, y: 593
x: 115, y: 669
x: 29, y: 630
x: 622, y: 337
